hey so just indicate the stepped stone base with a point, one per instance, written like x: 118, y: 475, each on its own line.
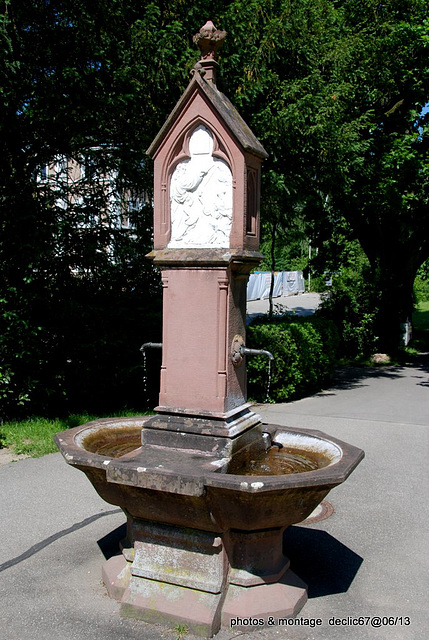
x: 184, y: 576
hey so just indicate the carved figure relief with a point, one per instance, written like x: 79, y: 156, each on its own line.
x: 201, y: 197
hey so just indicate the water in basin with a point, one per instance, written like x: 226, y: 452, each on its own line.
x: 277, y: 461
x: 113, y: 442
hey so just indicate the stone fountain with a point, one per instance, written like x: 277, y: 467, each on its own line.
x: 206, y: 488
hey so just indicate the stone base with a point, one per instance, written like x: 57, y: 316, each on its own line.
x: 267, y: 602
x: 174, y: 575
x: 170, y: 604
x: 203, y: 613
x: 156, y: 601
x: 221, y: 435
x: 116, y: 575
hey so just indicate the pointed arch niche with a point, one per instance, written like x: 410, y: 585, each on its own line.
x: 206, y: 177
x: 200, y: 194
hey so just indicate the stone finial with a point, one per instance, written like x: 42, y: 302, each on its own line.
x: 209, y: 39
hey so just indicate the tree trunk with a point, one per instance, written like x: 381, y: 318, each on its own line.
x: 395, y: 303
x: 273, y: 269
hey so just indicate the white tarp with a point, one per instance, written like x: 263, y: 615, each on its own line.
x: 254, y: 286
x: 293, y: 282
x: 286, y: 283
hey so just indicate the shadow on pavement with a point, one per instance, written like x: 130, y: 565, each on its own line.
x: 324, y: 563
x: 353, y: 377
x: 109, y: 544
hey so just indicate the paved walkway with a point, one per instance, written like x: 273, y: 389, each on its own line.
x: 303, y: 304
x: 369, y: 559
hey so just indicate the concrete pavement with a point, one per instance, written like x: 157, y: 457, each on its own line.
x: 367, y: 562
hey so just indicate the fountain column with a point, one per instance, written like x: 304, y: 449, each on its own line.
x: 206, y: 242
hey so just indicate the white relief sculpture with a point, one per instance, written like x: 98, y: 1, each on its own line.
x: 201, y: 197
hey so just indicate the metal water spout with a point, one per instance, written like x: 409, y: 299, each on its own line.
x: 239, y: 350
x: 268, y: 441
x: 151, y: 345
x: 245, y: 351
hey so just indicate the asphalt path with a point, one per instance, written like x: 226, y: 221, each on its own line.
x: 304, y: 304
x: 367, y: 565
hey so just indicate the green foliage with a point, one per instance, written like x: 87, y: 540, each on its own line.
x: 420, y: 339
x: 304, y: 351
x: 421, y: 290
x: 421, y: 317
x: 352, y: 305
x: 423, y: 272
x: 285, y: 249
x: 381, y: 184
x: 77, y: 296
x: 334, y: 90
x: 421, y: 283
x: 33, y: 437
x: 181, y: 630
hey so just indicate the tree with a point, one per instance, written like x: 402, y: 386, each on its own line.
x: 333, y: 88
x: 336, y: 92
x: 383, y: 190
x: 271, y: 61
x: 76, y: 292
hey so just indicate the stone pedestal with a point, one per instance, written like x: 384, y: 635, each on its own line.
x: 204, y: 580
x: 202, y: 392
x: 197, y: 375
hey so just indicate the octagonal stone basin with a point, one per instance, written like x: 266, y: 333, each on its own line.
x: 189, y: 489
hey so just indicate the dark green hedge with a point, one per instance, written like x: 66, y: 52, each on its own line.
x: 304, y: 350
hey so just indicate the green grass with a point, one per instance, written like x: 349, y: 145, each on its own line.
x: 421, y: 316
x: 34, y: 437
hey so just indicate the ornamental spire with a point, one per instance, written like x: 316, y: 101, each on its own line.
x: 209, y: 39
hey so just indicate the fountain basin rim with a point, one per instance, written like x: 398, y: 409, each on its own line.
x: 207, y: 472
x: 70, y: 442
x: 310, y: 443
x: 92, y: 427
